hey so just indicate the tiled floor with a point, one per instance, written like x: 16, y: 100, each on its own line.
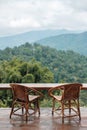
x: 44, y: 122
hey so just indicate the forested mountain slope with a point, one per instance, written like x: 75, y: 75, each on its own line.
x: 32, y: 36
x: 66, y: 66
x: 75, y: 42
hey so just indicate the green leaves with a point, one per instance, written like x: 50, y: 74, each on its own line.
x: 21, y: 71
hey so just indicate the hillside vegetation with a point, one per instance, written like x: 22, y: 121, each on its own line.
x: 40, y: 64
x: 66, y: 66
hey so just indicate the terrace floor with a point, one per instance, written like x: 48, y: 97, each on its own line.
x: 44, y: 122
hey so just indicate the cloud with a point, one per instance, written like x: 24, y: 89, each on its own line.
x: 24, y: 15
x: 80, y: 5
x: 24, y: 23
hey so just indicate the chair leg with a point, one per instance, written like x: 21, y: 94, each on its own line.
x: 53, y: 107
x: 26, y: 112
x: 35, y: 107
x: 78, y: 108
x: 38, y: 107
x: 69, y: 107
x: 12, y: 110
x: 79, y: 116
x: 62, y: 109
x: 22, y: 110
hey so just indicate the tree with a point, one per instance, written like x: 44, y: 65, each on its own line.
x: 28, y: 78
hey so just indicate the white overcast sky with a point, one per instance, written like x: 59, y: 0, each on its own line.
x: 18, y: 16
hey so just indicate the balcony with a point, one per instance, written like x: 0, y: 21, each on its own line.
x: 44, y: 122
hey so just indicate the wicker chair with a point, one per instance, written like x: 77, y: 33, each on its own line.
x: 26, y: 99
x: 68, y: 98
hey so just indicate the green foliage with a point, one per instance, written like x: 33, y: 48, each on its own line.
x: 21, y: 71
x: 28, y: 78
x: 67, y: 66
x: 5, y: 98
x: 83, y: 98
x: 46, y: 102
x: 33, y: 63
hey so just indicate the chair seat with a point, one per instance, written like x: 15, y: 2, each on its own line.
x: 33, y: 97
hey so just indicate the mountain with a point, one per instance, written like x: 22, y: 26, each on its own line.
x: 75, y: 42
x: 59, y: 39
x: 32, y: 36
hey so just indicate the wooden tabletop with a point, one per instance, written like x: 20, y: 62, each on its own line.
x: 38, y: 85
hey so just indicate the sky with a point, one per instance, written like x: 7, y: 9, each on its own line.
x: 19, y: 16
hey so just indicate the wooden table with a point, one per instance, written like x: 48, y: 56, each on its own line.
x: 39, y: 86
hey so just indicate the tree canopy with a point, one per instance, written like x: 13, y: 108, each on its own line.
x: 66, y: 66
